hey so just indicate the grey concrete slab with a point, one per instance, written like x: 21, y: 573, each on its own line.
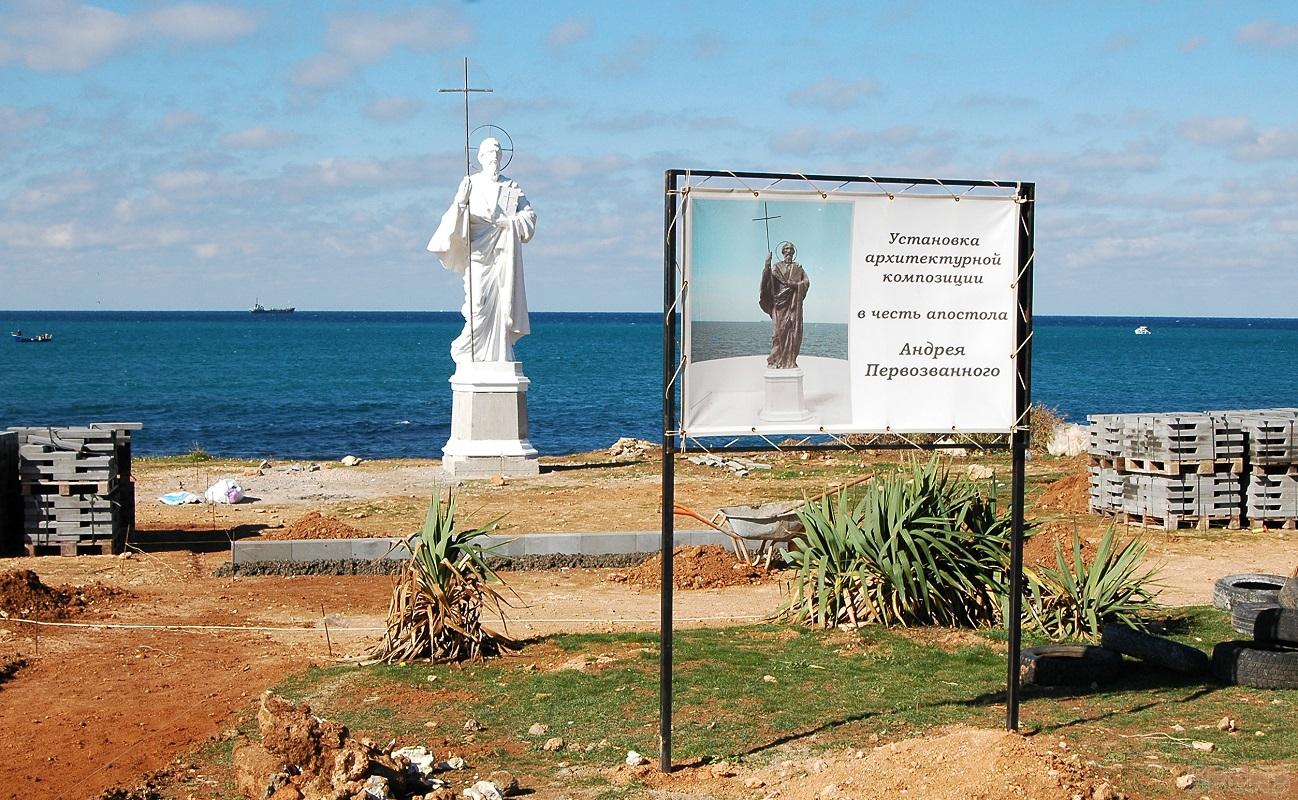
x: 243, y: 552
x: 526, y: 544
x: 545, y: 544
x: 606, y: 543
x: 370, y: 549
x: 322, y: 549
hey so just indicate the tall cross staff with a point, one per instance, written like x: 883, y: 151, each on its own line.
x: 767, y: 219
x: 467, y: 167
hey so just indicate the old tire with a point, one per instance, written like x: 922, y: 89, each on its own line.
x: 1276, y: 625
x: 1068, y: 665
x: 1249, y: 587
x: 1155, y: 649
x: 1243, y: 615
x: 1288, y: 597
x: 1262, y: 665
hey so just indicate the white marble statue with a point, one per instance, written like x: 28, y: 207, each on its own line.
x: 481, y: 236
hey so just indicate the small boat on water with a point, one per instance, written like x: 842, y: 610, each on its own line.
x: 258, y: 308
x: 1143, y: 330
x: 40, y: 337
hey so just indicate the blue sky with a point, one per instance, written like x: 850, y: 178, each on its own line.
x: 163, y: 155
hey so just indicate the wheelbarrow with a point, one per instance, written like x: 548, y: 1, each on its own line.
x: 766, y: 525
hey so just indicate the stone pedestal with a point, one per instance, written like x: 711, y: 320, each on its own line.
x: 489, y: 422
x: 784, y: 400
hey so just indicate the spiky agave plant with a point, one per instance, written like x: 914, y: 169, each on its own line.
x: 1073, y: 599
x: 438, y: 600
x: 919, y: 546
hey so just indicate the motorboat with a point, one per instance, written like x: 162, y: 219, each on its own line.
x: 1143, y: 330
x: 40, y: 337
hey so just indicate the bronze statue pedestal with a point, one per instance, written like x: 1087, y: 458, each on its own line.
x: 784, y: 398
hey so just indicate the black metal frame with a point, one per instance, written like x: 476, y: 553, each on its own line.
x: 673, y: 441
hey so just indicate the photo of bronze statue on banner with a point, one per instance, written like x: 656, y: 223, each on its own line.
x: 766, y: 319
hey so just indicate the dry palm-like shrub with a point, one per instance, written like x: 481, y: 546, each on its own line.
x: 439, y: 599
x: 1073, y: 599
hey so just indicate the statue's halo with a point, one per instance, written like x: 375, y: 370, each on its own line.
x: 498, y: 132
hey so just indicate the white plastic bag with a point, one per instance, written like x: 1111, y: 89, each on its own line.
x: 224, y: 491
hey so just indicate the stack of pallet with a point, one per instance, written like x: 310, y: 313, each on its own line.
x: 1204, y: 470
x: 76, y: 486
x: 11, y: 506
x: 1271, y: 496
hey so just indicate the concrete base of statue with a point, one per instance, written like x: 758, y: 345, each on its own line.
x: 489, y: 422
x: 784, y: 397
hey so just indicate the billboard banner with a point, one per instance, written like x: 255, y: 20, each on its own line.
x: 848, y: 313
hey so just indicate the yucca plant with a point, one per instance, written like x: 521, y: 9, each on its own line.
x: 438, y: 600
x: 918, y: 546
x: 1073, y: 599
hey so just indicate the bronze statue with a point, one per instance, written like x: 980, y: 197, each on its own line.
x: 784, y: 286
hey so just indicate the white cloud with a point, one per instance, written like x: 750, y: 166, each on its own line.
x: 60, y: 236
x: 568, y: 33
x: 833, y: 94
x: 52, y: 191
x: 259, y: 138
x: 207, y: 250
x: 1270, y: 144
x: 176, y: 120
x: 354, y: 40
x: 182, y: 180
x: 1268, y: 35
x: 17, y: 120
x: 1246, y: 142
x: 201, y: 22
x: 810, y: 140
x: 1132, y: 157
x: 631, y: 57
x: 62, y: 36
x: 66, y: 36
x: 1217, y: 130
x: 391, y: 109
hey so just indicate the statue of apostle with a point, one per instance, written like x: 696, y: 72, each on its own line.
x: 784, y: 286
x: 481, y: 236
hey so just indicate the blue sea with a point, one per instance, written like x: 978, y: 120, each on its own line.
x: 320, y: 385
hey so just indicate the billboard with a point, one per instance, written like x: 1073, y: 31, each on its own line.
x: 808, y: 313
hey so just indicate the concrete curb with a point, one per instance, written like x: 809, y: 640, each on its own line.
x: 250, y: 551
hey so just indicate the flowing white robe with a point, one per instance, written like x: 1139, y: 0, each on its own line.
x: 490, y: 256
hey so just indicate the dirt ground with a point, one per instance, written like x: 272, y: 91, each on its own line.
x: 89, y: 706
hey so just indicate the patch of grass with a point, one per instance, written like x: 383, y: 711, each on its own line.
x: 197, y: 455
x: 826, y: 689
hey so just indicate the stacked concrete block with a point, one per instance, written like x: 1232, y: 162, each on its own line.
x: 11, y: 507
x: 1272, y: 498
x: 1172, y: 442
x: 1176, y: 498
x: 1171, y: 470
x: 1216, y: 468
x: 1106, y: 489
x: 1105, y: 435
x: 76, y: 488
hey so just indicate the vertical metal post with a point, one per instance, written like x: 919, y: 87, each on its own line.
x: 468, y: 162
x: 668, y: 474
x: 1019, y: 444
